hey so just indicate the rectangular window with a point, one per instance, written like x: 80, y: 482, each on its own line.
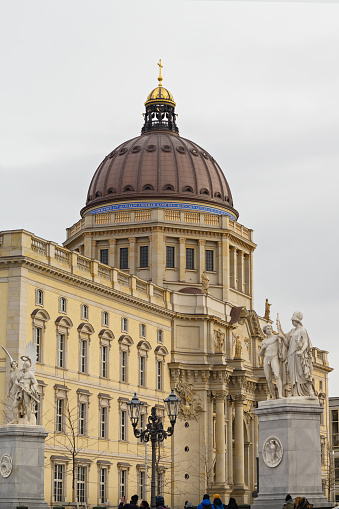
x: 81, y: 484
x: 335, y: 429
x: 104, y: 370
x: 61, y: 351
x: 336, y: 470
x: 170, y: 257
x: 189, y: 258
x: 123, y: 424
x: 159, y: 375
x: 82, y: 419
x: 141, y: 484
x: 83, y: 355
x: 142, y: 330
x: 123, y: 366
x: 103, y: 422
x: 58, y: 489
x: 105, y: 318
x: 124, y: 258
x: 160, y: 336
x: 39, y: 297
x: 124, y: 325
x: 84, y: 312
x: 62, y: 305
x: 36, y: 409
x: 104, y: 256
x: 141, y: 370
x: 143, y: 256
x: 320, y: 385
x: 103, y: 485
x: 123, y: 483
x: 59, y: 424
x: 38, y: 341
x: 209, y: 265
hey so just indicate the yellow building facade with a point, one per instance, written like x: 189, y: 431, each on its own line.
x: 153, y: 289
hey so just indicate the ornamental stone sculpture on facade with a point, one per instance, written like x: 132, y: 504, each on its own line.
x: 23, y: 387
x: 272, y: 452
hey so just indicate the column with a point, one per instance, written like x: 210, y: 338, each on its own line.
x: 182, y: 259
x: 87, y: 245
x: 201, y: 261
x: 112, y: 253
x: 132, y: 255
x: 240, y: 270
x: 239, y: 463
x: 247, y: 274
x: 220, y: 472
x: 229, y: 444
x: 157, y: 256
x: 251, y: 277
x: 94, y: 249
x: 233, y: 267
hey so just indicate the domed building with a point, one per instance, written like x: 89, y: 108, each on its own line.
x: 160, y: 207
x: 152, y: 290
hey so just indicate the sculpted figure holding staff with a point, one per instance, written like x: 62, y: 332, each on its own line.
x: 299, y: 356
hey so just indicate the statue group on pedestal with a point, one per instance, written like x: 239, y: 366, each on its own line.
x: 23, y: 387
x: 288, y: 357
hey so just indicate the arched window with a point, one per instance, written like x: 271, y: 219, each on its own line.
x: 128, y: 189
x: 111, y: 190
x: 168, y: 187
x: 187, y: 189
x: 148, y: 187
x: 204, y: 191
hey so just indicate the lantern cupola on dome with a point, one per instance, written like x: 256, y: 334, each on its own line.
x: 160, y: 105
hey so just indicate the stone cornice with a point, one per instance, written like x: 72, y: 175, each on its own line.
x: 57, y: 273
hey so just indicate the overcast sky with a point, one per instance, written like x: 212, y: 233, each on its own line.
x: 256, y: 84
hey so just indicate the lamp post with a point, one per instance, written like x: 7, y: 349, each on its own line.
x: 154, y: 430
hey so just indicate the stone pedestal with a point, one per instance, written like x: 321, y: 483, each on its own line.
x: 22, y: 466
x: 289, y: 452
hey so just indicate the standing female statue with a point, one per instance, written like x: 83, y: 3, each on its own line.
x: 299, y: 356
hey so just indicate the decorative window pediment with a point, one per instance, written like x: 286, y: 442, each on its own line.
x: 125, y: 339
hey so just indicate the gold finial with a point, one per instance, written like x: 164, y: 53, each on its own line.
x: 160, y: 77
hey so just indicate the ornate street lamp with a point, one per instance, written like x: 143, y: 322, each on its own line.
x: 154, y: 430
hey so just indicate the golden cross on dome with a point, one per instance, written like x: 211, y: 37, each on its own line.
x: 160, y: 77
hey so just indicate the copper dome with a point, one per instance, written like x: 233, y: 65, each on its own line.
x: 159, y: 165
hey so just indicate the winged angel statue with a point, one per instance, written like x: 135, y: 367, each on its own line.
x: 23, y: 387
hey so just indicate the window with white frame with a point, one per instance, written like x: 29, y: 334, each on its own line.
x: 160, y: 482
x: 142, y: 330
x: 122, y: 483
x: 124, y: 325
x: 103, y: 484
x: 104, y: 361
x: 123, y: 425
x: 82, y: 418
x: 104, y: 406
x: 141, y: 484
x: 60, y: 417
x: 59, y: 483
x: 37, y: 406
x: 63, y: 305
x: 38, y: 342
x: 103, y: 422
x: 83, y: 355
x: 81, y: 483
x: 159, y: 375
x: 142, y: 423
x: 84, y: 312
x: 142, y: 365
x: 39, y: 297
x: 160, y: 336
x: 123, y: 366
x: 105, y: 318
x: 61, y: 351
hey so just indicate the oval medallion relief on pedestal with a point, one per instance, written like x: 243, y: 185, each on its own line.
x: 6, y: 465
x: 272, y: 452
